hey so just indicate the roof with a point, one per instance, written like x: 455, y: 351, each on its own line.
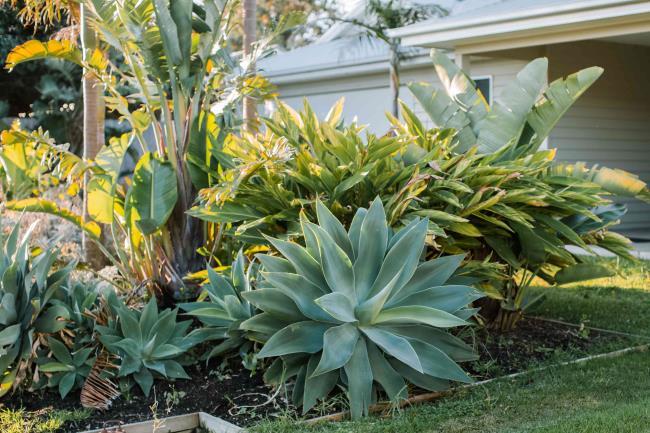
x: 345, y: 46
x: 519, y: 20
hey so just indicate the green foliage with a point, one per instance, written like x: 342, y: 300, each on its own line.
x: 66, y: 369
x: 185, y: 90
x: 28, y: 287
x: 147, y: 341
x: 221, y: 308
x: 519, y: 119
x: 517, y: 206
x: 358, y: 308
x: 300, y: 159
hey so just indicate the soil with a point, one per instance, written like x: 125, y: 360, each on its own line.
x: 231, y: 392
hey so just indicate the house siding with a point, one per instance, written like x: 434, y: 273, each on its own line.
x: 610, y: 124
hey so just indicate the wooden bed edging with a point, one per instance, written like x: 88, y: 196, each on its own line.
x: 175, y: 424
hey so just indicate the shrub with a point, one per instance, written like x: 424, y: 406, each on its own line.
x: 28, y: 286
x: 300, y: 159
x: 515, y: 204
x: 359, y: 309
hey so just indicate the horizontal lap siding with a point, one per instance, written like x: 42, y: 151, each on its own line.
x: 610, y: 124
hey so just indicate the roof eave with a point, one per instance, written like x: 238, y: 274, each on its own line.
x: 574, y: 21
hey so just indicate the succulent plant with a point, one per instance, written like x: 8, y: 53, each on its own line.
x: 65, y: 369
x: 360, y: 309
x: 221, y: 308
x: 27, y: 288
x: 147, y: 341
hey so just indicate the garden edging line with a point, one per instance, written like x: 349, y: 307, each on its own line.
x: 423, y: 398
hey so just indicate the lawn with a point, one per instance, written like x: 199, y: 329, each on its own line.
x: 606, y: 395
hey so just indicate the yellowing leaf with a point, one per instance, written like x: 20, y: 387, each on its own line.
x: 49, y: 207
x: 34, y: 50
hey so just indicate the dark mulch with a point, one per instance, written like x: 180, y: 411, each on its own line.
x: 533, y: 343
x: 232, y: 393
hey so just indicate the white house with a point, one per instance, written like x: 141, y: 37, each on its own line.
x: 493, y: 40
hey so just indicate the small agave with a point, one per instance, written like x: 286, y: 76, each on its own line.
x: 360, y: 309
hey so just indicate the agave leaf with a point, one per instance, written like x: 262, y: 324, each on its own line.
x: 419, y: 314
x: 299, y: 337
x: 385, y: 374
x: 359, y: 374
x: 372, y: 241
x: 394, y: 345
x: 338, y: 345
x: 317, y: 386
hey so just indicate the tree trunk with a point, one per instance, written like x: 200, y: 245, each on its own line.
x: 249, y: 19
x: 394, y: 77
x: 93, y: 130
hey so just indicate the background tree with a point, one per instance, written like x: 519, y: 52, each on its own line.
x: 249, y: 20
x: 45, y: 13
x: 382, y: 15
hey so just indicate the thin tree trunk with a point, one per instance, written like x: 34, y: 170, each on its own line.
x: 250, y: 29
x: 394, y: 77
x: 93, y: 129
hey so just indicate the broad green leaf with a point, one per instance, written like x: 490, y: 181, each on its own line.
x: 317, y: 387
x: 385, y: 374
x: 582, y: 272
x: 505, y: 122
x: 154, y: 193
x: 556, y: 101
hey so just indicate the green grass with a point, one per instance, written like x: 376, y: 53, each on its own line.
x: 19, y: 421
x: 596, y: 397
x: 606, y: 395
x: 620, y: 303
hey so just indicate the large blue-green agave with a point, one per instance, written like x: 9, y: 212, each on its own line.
x: 361, y: 310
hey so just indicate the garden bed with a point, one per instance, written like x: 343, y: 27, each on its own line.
x: 233, y: 394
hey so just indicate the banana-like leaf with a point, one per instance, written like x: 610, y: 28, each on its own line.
x: 444, y: 112
x: 49, y: 207
x: 35, y: 50
x: 505, y: 122
x: 154, y: 192
x: 582, y: 272
x: 557, y: 100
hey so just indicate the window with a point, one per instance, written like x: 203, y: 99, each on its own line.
x: 484, y: 84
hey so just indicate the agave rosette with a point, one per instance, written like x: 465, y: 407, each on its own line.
x: 360, y: 309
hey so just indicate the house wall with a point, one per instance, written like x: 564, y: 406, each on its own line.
x: 610, y: 124
x: 368, y: 96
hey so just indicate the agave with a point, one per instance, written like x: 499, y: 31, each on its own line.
x: 147, y: 341
x: 27, y: 288
x: 66, y: 370
x: 221, y: 308
x: 360, y: 309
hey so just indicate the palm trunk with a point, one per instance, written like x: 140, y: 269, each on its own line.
x: 249, y: 18
x: 394, y: 77
x: 93, y: 129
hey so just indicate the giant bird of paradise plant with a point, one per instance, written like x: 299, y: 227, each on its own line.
x: 176, y: 57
